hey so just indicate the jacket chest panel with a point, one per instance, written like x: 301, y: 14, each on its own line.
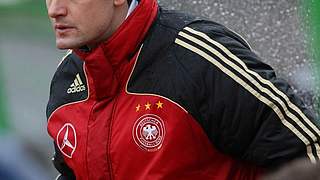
x: 152, y: 135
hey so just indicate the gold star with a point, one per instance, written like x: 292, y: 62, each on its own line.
x: 148, y: 106
x: 159, y: 105
x: 138, y: 108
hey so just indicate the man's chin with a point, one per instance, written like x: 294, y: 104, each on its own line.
x: 61, y: 44
x: 62, y: 47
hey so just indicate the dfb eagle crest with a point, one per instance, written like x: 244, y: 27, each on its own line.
x: 148, y: 132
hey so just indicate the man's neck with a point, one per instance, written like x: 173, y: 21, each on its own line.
x: 120, y: 19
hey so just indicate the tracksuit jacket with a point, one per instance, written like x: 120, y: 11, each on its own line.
x: 169, y: 96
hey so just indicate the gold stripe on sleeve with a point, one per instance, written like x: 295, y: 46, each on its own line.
x: 264, y: 81
x: 245, y: 85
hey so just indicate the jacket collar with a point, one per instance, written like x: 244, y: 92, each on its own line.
x: 103, y: 62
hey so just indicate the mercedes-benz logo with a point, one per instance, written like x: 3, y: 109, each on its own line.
x: 67, y: 140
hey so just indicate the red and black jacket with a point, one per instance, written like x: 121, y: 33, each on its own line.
x: 180, y: 98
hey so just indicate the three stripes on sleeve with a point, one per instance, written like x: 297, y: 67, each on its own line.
x: 289, y: 114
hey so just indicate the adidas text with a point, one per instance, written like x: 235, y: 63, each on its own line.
x: 76, y: 89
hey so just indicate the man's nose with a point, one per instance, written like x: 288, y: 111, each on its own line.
x: 57, y: 8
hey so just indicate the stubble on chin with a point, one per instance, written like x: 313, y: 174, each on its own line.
x: 67, y: 43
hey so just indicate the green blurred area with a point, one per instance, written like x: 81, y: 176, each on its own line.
x: 25, y: 17
x: 4, y: 125
x: 315, y: 34
x: 34, y: 8
x: 312, y: 19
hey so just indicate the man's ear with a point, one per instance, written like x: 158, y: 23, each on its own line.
x: 119, y: 2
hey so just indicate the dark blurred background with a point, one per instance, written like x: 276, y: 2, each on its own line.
x: 276, y: 29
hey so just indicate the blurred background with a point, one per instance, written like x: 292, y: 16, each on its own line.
x: 281, y: 32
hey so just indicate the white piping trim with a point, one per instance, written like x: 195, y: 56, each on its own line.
x: 64, y: 57
x: 58, y: 177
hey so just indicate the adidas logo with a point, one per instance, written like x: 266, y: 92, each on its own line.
x: 76, y: 86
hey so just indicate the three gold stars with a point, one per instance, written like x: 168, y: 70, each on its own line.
x: 148, y: 106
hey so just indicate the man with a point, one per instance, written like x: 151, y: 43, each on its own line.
x: 147, y: 93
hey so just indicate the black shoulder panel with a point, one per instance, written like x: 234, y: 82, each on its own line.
x: 174, y: 19
x: 165, y: 69
x: 68, y: 84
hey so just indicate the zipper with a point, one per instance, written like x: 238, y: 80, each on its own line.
x: 110, y: 134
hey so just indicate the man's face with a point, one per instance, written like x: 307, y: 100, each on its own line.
x: 83, y: 22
